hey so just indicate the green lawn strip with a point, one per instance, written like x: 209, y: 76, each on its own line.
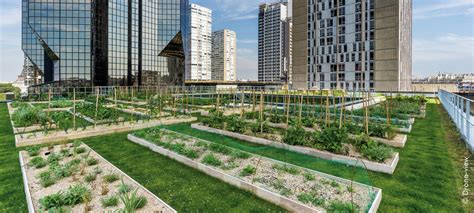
x: 183, y: 188
x: 424, y: 180
x: 458, y: 153
x: 12, y: 196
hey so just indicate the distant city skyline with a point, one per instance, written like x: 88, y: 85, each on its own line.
x: 442, y: 34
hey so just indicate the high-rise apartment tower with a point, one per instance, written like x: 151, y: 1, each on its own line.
x: 224, y: 51
x: 352, y: 44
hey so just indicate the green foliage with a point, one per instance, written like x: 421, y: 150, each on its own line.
x: 54, y: 158
x: 331, y: 139
x: 308, y: 176
x: 33, y: 151
x: 308, y: 121
x: 240, y: 154
x: 220, y: 148
x: 46, y: 179
x: 212, y: 160
x: 28, y: 116
x: 74, y: 195
x: 260, y: 127
x: 340, y: 207
x: 90, y: 177
x: 124, y: 188
x: 235, y: 124
x: 371, y: 149
x: 248, y: 170
x: 91, y: 161
x: 132, y: 202
x: 80, y: 150
x: 109, y: 201
x: 181, y: 149
x: 295, y: 135
x: 63, y: 120
x: 110, y: 178
x: 38, y: 162
x: 382, y: 130
x: 215, y: 120
x: 276, y: 118
x: 285, y: 168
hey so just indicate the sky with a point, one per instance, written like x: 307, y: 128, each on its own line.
x: 443, y: 35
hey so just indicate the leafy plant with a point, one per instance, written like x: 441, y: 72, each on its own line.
x: 235, y: 124
x: 338, y: 206
x: 109, y: 201
x: 212, y: 160
x: 132, y: 202
x: 110, y: 178
x: 79, y: 150
x: 331, y: 139
x: 371, y: 149
x: 308, y: 176
x: 92, y: 161
x: 260, y: 127
x: 38, y: 162
x: 248, y: 170
x: 90, y: 177
x: 52, y: 201
x: 33, y: 151
x: 285, y: 168
x: 240, y: 154
x: 215, y: 120
x: 46, y: 179
x: 124, y: 188
x: 295, y: 135
x: 76, y: 194
x: 382, y: 130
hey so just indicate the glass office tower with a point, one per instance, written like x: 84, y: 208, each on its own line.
x: 100, y: 42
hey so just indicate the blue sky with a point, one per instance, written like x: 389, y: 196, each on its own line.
x: 443, y: 35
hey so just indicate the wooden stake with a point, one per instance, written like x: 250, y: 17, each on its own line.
x: 96, y: 105
x: 74, y: 108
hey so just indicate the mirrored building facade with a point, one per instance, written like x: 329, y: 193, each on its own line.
x: 105, y: 42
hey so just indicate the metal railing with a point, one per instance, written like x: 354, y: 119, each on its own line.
x: 461, y: 111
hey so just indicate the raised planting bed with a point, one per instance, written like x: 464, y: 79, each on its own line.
x: 398, y: 141
x: 74, y: 178
x: 29, y: 139
x: 294, y: 188
x: 387, y: 166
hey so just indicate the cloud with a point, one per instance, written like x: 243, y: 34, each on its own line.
x: 446, y: 53
x: 247, y: 41
x: 236, y: 10
x: 445, y: 9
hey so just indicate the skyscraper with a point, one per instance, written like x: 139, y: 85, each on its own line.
x: 115, y: 42
x: 224, y: 51
x: 352, y: 44
x: 198, y: 59
x: 273, y: 42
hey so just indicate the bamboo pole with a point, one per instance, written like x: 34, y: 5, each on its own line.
x: 327, y: 110
x: 261, y: 111
x: 288, y: 107
x: 96, y: 105
x: 342, y: 111
x: 74, y: 108
x: 49, y: 105
x: 300, y: 107
x: 242, y: 104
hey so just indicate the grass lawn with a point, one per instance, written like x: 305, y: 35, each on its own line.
x: 12, y: 196
x: 428, y: 177
x: 424, y: 180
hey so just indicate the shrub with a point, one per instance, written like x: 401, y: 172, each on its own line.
x: 382, y: 130
x: 260, y: 126
x: 109, y: 201
x: 110, y: 178
x: 33, y: 151
x: 371, y: 149
x: 212, y: 160
x: 332, y: 139
x: 38, y: 162
x: 248, y: 170
x: 295, y: 135
x: 235, y: 124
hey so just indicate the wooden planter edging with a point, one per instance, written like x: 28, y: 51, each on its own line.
x: 29, y: 202
x: 370, y: 165
x: 91, y: 131
x: 28, y: 194
x: 265, y: 194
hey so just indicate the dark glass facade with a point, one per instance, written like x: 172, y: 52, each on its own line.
x: 100, y: 42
